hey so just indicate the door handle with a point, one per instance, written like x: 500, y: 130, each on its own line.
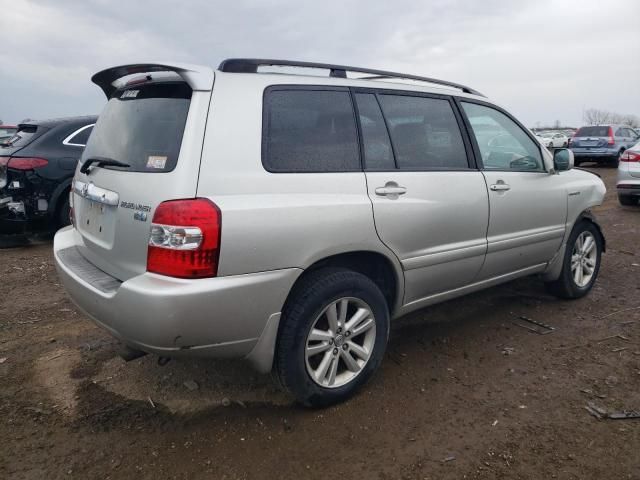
x: 500, y: 187
x: 391, y: 190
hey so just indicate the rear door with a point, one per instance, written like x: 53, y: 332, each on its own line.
x: 156, y: 127
x: 528, y: 205
x: 430, y: 205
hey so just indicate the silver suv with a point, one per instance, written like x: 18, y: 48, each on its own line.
x: 286, y: 218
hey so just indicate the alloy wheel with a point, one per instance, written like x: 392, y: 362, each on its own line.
x: 340, y: 342
x: 583, y: 259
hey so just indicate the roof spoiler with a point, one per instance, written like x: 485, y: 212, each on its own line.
x: 196, y: 76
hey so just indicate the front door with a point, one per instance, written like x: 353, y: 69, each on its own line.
x: 528, y: 205
x: 430, y: 207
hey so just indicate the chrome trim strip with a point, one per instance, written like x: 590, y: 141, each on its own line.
x: 96, y: 194
x: 66, y: 140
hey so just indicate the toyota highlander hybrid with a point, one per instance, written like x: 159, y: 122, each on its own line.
x: 286, y: 212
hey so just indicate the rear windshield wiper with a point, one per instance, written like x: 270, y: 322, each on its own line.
x: 101, y: 162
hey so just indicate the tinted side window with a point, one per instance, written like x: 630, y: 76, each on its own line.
x: 424, y: 132
x: 310, y: 131
x: 502, y: 143
x: 81, y: 138
x: 378, y: 154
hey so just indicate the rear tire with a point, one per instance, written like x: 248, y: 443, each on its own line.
x: 326, y: 319
x: 615, y: 161
x: 62, y: 215
x: 581, y: 262
x: 627, y: 200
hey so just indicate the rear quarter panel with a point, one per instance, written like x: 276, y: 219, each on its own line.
x: 275, y: 220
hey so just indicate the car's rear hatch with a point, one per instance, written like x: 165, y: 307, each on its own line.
x: 591, y: 137
x: 26, y: 133
x: 155, y: 124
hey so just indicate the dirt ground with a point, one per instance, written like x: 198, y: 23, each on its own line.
x: 463, y: 392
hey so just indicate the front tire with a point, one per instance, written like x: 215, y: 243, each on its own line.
x: 332, y: 338
x: 581, y: 262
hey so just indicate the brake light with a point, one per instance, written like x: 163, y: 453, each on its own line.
x: 612, y: 140
x: 184, y: 240
x: 27, y: 163
x: 630, y: 157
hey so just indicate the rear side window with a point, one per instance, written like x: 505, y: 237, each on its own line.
x: 309, y: 131
x: 593, y: 132
x: 81, y: 137
x: 378, y: 154
x: 424, y: 132
x: 143, y: 127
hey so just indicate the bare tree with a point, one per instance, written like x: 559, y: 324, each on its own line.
x: 594, y: 116
x: 632, y: 121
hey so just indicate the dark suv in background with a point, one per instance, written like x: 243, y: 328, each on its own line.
x: 602, y: 143
x: 36, y: 168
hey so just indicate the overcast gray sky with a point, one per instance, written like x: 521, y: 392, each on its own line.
x: 542, y: 60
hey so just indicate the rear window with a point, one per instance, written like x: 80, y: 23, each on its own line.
x: 24, y: 136
x: 593, y: 132
x: 143, y: 127
x: 309, y: 131
x: 7, y: 132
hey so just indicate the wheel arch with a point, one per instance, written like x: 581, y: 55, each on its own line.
x: 555, y: 265
x: 376, y: 266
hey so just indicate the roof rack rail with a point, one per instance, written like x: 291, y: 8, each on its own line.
x: 250, y: 65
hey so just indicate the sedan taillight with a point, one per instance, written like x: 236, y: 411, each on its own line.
x: 184, y: 240
x: 630, y: 157
x: 26, y: 163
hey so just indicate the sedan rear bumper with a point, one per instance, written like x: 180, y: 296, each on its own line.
x: 217, y: 317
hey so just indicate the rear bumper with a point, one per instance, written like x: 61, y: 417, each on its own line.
x: 594, y: 153
x: 628, y: 181
x: 217, y: 317
x: 629, y: 187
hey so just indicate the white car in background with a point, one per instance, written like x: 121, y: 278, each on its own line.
x: 554, y: 139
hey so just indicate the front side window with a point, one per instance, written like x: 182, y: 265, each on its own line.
x: 309, y: 131
x: 424, y: 132
x: 503, y: 144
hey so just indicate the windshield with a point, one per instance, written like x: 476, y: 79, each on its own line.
x: 593, y: 132
x: 142, y: 126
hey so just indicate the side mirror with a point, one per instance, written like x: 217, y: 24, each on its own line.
x: 562, y: 159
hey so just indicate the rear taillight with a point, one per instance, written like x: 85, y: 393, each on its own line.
x: 630, y: 157
x: 184, y: 240
x: 612, y: 140
x: 27, y: 163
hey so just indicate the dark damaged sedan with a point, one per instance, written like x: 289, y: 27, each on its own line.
x: 36, y: 168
